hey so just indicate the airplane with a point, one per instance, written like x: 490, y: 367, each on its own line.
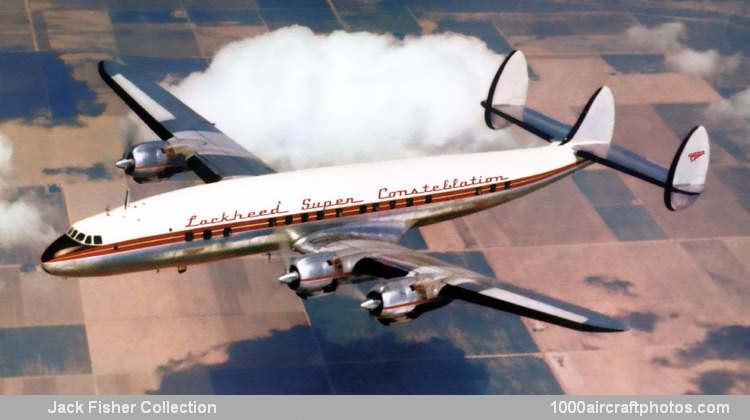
x: 344, y: 222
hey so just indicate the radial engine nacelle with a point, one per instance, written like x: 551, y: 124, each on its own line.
x: 151, y: 161
x: 402, y: 300
x: 314, y: 274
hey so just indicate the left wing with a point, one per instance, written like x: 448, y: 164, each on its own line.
x: 211, y: 154
x: 416, y: 279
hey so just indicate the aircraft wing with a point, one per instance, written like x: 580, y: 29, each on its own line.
x: 211, y: 154
x: 384, y: 259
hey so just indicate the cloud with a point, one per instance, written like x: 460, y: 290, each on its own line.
x: 664, y: 37
x: 299, y: 100
x: 732, y: 112
x: 668, y: 39
x: 22, y: 222
x: 741, y: 103
x: 707, y: 63
x: 6, y: 159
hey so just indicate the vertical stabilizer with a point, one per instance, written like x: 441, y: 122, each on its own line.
x: 509, y: 86
x: 687, y: 174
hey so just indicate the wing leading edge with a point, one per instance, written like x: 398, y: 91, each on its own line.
x: 211, y: 154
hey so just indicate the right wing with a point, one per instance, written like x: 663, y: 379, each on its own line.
x: 211, y: 154
x: 432, y: 277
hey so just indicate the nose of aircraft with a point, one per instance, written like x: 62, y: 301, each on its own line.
x: 61, y: 246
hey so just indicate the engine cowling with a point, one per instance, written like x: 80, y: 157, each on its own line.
x: 400, y: 300
x: 314, y: 275
x: 151, y: 162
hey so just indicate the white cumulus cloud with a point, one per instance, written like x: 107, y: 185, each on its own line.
x: 299, y: 100
x: 668, y: 38
x: 21, y: 222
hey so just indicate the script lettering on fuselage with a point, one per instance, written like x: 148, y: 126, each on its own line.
x: 309, y: 204
x: 194, y: 221
x: 448, y: 184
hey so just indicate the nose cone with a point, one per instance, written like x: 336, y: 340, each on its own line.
x: 60, y: 247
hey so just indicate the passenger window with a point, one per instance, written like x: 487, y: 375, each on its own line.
x: 88, y: 240
x: 226, y: 232
x: 392, y: 204
x: 363, y: 208
x: 206, y: 235
x: 409, y: 202
x: 507, y: 185
x: 272, y: 222
x: 304, y: 217
x: 319, y: 214
x: 428, y: 199
x: 477, y: 190
x: 288, y: 220
x: 339, y: 212
x: 375, y: 206
x: 97, y: 240
x: 189, y: 236
x: 493, y: 187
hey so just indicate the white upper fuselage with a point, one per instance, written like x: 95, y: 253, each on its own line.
x: 310, y: 190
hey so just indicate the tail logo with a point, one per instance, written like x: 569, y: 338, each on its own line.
x: 696, y: 155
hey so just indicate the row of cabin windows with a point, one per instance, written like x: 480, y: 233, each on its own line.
x: 82, y: 237
x: 207, y: 234
x: 320, y: 214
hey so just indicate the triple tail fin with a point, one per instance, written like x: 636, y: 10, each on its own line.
x: 590, y: 137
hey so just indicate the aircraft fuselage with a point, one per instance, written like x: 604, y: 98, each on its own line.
x: 251, y: 215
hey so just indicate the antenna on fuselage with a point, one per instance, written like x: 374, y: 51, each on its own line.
x: 127, y: 193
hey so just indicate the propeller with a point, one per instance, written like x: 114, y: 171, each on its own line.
x: 289, y: 278
x: 129, y: 137
x: 371, y: 304
x: 126, y: 164
x: 286, y: 254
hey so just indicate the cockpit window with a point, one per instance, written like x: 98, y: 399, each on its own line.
x: 83, y: 238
